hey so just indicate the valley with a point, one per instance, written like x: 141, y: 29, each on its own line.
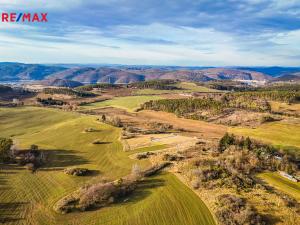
x: 83, y: 155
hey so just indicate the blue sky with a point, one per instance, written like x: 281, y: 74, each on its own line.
x: 165, y: 32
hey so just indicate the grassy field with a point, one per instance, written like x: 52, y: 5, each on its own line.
x: 129, y: 103
x: 280, y: 134
x: 27, y: 198
x: 186, y: 86
x: 148, y: 149
x: 289, y: 187
x: 282, y: 106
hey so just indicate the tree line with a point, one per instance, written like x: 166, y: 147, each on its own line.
x: 182, y: 107
x: 164, y: 84
x: 67, y: 91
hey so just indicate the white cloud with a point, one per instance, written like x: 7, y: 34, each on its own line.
x: 191, y: 46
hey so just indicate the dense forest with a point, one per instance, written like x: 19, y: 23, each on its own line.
x: 276, y: 95
x: 243, y: 87
x: 191, y: 105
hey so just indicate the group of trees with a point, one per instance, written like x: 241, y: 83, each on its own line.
x: 246, y: 100
x: 226, y: 85
x: 163, y: 84
x: 5, y: 149
x: 31, y: 158
x: 186, y: 107
x: 111, y: 120
x: 68, y: 91
x: 50, y: 101
x: 237, y: 160
x: 262, y: 156
x: 271, y: 95
x: 233, y: 210
x: 102, y: 194
x: 90, y: 87
x: 182, y: 106
x: 77, y: 171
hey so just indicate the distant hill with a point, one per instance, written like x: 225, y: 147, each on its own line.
x: 288, y: 77
x: 274, y: 71
x: 19, y: 71
x: 5, y: 89
x: 98, y: 75
x: 203, y: 74
x: 61, y: 76
x: 61, y: 83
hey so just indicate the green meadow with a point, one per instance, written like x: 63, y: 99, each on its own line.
x: 28, y: 198
x: 129, y: 103
x: 281, y: 134
x: 186, y: 87
x: 285, y: 185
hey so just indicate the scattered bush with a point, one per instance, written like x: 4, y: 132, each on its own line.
x: 144, y: 155
x: 77, y: 171
x: 32, y: 158
x: 226, y: 141
x: 113, y: 120
x: 68, y: 91
x: 236, y: 211
x: 266, y: 119
x: 102, y: 194
x: 168, y: 157
x: 50, y: 101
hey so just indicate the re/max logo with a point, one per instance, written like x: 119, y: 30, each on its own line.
x: 24, y: 17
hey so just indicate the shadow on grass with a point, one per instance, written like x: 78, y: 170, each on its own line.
x: 144, y: 190
x: 271, y: 219
x: 5, y: 171
x: 60, y: 159
x: 9, y: 212
x: 101, y: 142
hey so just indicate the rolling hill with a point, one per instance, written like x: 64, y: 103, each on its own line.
x: 111, y: 75
x: 288, y: 77
x: 19, y: 71
x: 105, y: 74
x: 61, y: 83
x: 98, y: 75
x: 28, y: 198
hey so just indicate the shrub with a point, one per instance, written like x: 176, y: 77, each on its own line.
x: 5, y: 148
x: 102, y: 194
x: 212, y: 173
x: 114, y: 121
x: 77, y: 171
x: 236, y: 211
x: 144, y: 155
x: 266, y: 119
x: 154, y: 169
x: 168, y: 157
x: 94, y: 196
x: 226, y: 141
